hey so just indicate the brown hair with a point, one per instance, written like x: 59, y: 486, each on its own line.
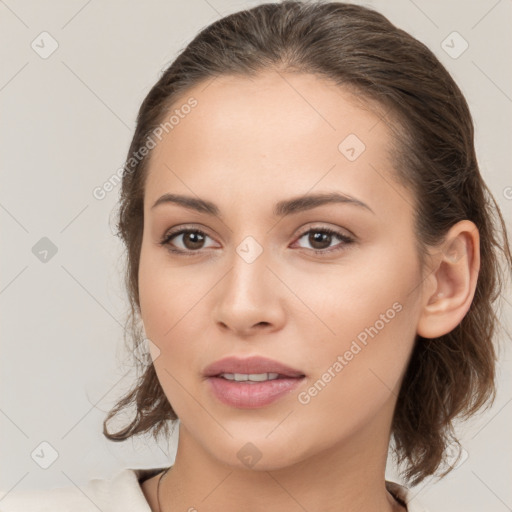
x: 447, y: 377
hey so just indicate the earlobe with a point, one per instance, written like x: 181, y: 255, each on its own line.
x: 454, y: 277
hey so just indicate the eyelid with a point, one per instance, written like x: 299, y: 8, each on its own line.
x: 325, y: 226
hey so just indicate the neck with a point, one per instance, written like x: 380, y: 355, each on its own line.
x: 349, y: 476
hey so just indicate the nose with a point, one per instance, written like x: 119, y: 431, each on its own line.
x: 249, y: 299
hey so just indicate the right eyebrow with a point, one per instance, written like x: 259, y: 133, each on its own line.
x: 192, y: 203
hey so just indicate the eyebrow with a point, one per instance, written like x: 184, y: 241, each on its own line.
x: 281, y: 209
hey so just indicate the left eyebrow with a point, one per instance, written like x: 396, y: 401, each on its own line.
x: 309, y: 201
x: 281, y: 209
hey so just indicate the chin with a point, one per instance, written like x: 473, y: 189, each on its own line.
x: 258, y: 453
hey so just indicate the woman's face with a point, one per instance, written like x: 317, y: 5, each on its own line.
x: 264, y: 278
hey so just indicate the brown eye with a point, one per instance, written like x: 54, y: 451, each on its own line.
x: 320, y: 240
x: 193, y: 240
x: 185, y: 241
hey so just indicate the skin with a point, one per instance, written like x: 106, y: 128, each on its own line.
x: 248, y: 144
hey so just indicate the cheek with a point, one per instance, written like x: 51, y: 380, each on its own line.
x: 172, y: 300
x: 367, y: 319
x: 169, y: 304
x: 343, y: 301
x: 168, y: 294
x: 352, y: 381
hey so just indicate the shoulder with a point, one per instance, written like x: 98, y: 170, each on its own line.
x: 121, y: 493
x: 406, y: 496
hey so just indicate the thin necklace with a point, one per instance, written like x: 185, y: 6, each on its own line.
x: 158, y: 488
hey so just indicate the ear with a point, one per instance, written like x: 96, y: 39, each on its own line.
x: 450, y: 287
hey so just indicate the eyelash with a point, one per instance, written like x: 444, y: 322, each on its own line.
x: 165, y: 242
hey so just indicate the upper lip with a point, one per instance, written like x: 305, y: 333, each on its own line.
x: 253, y: 364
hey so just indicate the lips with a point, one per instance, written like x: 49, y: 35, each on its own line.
x: 251, y: 382
x: 250, y: 365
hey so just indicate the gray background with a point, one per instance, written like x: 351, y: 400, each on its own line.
x: 66, y: 122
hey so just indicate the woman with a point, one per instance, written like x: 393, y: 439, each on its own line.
x: 312, y: 261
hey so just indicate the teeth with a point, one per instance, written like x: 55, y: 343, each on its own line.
x: 255, y: 377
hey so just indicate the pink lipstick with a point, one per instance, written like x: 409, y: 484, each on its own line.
x: 251, y: 382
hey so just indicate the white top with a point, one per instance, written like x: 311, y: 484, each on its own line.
x: 122, y: 493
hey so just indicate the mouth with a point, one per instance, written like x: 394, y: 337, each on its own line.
x: 252, y: 382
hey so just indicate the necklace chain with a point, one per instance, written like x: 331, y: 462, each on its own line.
x: 158, y: 488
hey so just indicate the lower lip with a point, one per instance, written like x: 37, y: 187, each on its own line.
x: 250, y: 395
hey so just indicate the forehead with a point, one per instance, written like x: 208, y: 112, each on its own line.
x: 285, y: 133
